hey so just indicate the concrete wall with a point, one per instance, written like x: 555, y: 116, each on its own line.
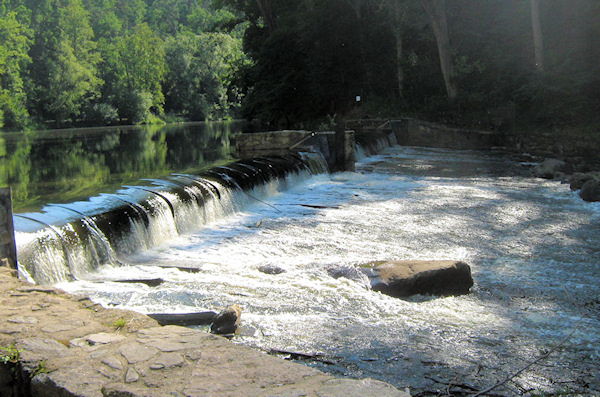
x: 337, y: 147
x: 410, y: 132
x: 7, y: 234
x: 263, y: 143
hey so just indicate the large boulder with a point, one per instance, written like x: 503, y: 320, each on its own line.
x: 590, y: 191
x: 548, y: 168
x: 578, y: 179
x: 405, y: 278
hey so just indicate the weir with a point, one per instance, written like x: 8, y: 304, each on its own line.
x: 68, y: 242
x: 295, y: 264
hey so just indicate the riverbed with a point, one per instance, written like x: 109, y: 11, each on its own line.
x: 532, y: 244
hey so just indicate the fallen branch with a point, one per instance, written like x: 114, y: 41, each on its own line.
x: 296, y: 356
x: 317, y: 206
x: 261, y: 201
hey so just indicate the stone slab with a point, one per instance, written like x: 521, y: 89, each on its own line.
x: 103, y: 358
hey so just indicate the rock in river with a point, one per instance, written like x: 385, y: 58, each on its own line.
x: 590, y: 191
x: 405, y: 278
x: 548, y: 167
x: 228, y: 321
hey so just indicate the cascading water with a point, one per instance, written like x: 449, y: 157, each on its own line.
x: 71, y: 241
x: 291, y: 259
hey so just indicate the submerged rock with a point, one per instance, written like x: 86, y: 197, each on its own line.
x: 405, y: 278
x: 271, y: 269
x: 228, y: 321
x: 349, y: 272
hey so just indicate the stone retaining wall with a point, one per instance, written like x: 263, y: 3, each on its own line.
x: 411, y: 132
x: 7, y: 235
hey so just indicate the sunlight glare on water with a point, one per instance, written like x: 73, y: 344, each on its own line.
x: 533, y: 247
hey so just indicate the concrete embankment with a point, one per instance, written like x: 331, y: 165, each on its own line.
x: 54, y: 344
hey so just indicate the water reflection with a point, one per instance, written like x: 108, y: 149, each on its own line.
x: 67, y: 165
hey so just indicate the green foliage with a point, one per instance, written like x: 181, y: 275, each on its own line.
x: 559, y: 97
x: 11, y: 355
x: 134, y: 66
x: 14, y: 47
x: 291, y: 62
x: 119, y: 323
x: 102, y: 114
x: 40, y: 368
x: 63, y: 74
x: 199, y: 83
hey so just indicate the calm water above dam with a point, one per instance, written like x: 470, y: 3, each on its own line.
x: 533, y: 245
x: 61, y: 166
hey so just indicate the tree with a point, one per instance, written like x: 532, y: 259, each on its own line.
x: 436, y: 10
x: 64, y: 74
x: 166, y: 16
x: 105, y: 22
x: 399, y: 15
x: 14, y: 47
x: 134, y: 68
x: 538, y: 42
x: 200, y: 73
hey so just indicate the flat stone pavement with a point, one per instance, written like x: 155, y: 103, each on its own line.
x: 69, y: 346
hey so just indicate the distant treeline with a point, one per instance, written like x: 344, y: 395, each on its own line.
x: 297, y: 63
x: 98, y: 62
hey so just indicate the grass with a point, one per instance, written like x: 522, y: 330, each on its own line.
x: 119, y: 323
x: 40, y: 369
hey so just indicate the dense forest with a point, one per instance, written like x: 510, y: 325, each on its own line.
x: 298, y: 63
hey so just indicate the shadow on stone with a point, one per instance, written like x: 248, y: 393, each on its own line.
x: 184, y: 319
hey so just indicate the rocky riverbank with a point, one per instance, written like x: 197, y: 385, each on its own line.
x: 569, y: 155
x: 55, y: 344
x: 587, y: 183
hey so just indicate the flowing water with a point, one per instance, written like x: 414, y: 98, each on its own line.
x: 289, y: 254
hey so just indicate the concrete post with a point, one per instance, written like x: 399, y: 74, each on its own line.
x: 8, y: 249
x: 349, y: 155
x: 343, y: 156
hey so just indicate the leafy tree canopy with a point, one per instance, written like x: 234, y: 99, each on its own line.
x: 295, y: 63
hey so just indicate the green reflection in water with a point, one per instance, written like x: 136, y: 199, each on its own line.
x: 67, y: 165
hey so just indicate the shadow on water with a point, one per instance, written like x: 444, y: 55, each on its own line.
x: 533, y: 246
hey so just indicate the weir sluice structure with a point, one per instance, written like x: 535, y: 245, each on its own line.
x: 65, y: 242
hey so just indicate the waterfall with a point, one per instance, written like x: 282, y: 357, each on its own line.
x: 71, y: 241
x: 374, y: 146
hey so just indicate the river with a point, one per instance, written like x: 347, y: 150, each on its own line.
x: 533, y: 246
x: 61, y: 166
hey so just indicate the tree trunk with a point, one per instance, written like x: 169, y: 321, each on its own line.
x: 538, y: 43
x: 436, y: 9
x: 267, y: 13
x: 399, y: 49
